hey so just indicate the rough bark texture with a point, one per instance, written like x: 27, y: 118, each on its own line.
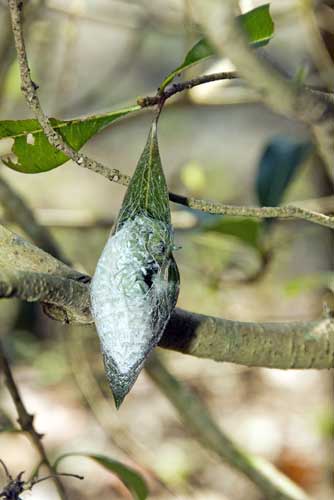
x: 308, y: 344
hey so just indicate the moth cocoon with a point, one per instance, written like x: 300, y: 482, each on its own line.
x: 132, y: 297
x: 136, y: 282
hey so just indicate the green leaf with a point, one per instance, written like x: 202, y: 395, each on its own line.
x: 34, y: 154
x: 132, y: 479
x: 147, y: 192
x: 258, y: 26
x: 199, y: 52
x: 247, y: 230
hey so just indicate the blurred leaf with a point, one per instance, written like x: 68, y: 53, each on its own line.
x: 12, y: 84
x: 257, y: 24
x: 193, y: 177
x: 34, y: 154
x: 325, y: 422
x: 309, y: 282
x: 278, y: 165
x: 301, y: 74
x: 132, y: 479
x: 247, y: 230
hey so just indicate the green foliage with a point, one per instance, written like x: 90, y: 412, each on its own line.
x: 279, y: 163
x: 147, y: 192
x: 132, y: 479
x: 34, y: 154
x: 325, y: 422
x: 308, y: 283
x: 248, y: 231
x: 258, y: 26
x: 193, y: 176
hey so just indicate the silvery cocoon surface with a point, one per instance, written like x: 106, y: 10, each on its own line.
x: 136, y: 282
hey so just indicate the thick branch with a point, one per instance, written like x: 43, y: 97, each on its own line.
x: 70, y: 297
x: 301, y: 344
x: 26, y: 421
x: 219, y: 21
x: 273, y: 484
x: 308, y: 344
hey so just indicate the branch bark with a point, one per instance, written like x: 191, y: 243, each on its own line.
x: 301, y: 344
x: 70, y: 298
x: 219, y: 21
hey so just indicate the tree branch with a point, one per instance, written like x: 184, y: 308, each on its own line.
x: 70, y: 297
x: 26, y: 421
x: 219, y: 21
x: 283, y: 212
x: 29, y: 89
x: 300, y: 344
x: 273, y: 484
x: 304, y: 344
x: 145, y: 102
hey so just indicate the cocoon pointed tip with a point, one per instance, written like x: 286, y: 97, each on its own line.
x: 119, y: 396
x: 120, y: 382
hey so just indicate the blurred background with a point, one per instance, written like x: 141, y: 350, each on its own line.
x: 94, y: 56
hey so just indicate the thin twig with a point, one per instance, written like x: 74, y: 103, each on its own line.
x: 283, y: 212
x: 51, y: 476
x: 26, y: 421
x: 186, y: 85
x: 29, y: 90
x: 8, y: 475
